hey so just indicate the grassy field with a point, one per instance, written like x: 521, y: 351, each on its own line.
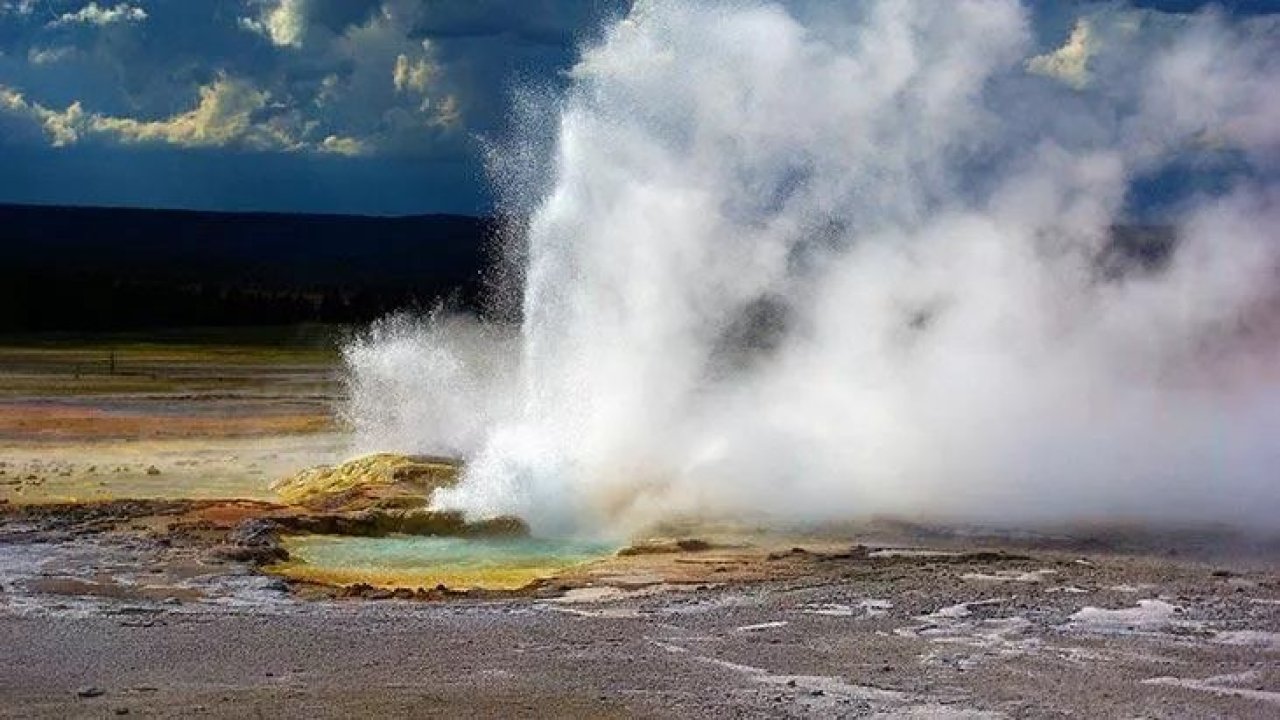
x: 152, y: 390
x: 198, y: 362
x: 177, y: 413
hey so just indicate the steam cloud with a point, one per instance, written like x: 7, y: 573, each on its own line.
x: 805, y: 262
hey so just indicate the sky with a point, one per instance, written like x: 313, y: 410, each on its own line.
x: 350, y: 106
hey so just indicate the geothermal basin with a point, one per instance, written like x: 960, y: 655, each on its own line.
x: 430, y: 562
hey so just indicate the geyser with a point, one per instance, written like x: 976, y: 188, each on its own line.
x: 810, y: 261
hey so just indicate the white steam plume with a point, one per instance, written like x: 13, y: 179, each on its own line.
x: 433, y: 385
x: 804, y: 262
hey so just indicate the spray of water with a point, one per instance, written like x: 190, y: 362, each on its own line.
x: 819, y: 260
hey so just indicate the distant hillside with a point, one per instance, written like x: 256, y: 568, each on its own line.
x: 65, y: 268
x: 100, y: 269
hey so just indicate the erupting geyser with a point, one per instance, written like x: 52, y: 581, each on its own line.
x: 816, y: 260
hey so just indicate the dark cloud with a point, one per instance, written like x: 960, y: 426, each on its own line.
x: 204, y: 179
x: 213, y: 88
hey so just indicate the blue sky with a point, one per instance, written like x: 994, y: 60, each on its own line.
x: 361, y: 106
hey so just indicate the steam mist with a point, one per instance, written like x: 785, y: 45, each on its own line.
x: 805, y: 262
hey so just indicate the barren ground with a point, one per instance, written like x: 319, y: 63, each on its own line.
x: 113, y: 607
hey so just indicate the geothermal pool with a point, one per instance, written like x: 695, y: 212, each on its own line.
x: 457, y: 563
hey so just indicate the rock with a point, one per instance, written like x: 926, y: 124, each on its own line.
x: 255, y: 532
x: 660, y: 547
x: 253, y: 554
x: 382, y: 481
x: 502, y: 526
x: 356, y: 590
x: 153, y: 470
x: 255, y: 541
x: 380, y: 523
x: 275, y: 584
x: 90, y: 692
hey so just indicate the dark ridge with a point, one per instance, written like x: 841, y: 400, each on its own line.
x: 105, y: 269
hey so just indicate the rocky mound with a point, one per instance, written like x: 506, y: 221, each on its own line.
x: 384, y: 481
x: 379, y: 495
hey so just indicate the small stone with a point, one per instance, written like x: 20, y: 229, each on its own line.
x: 121, y: 711
x: 90, y: 692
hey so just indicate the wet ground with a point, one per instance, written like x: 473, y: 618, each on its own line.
x: 163, y: 608
x: 158, y: 625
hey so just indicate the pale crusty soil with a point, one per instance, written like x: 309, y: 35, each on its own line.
x: 132, y: 609
x: 945, y: 626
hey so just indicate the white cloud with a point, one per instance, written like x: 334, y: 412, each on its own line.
x: 226, y: 115
x: 387, y: 88
x: 413, y: 75
x: 356, y: 71
x: 348, y: 146
x: 283, y: 22
x: 59, y: 127
x: 444, y: 113
x: 1069, y: 63
x: 49, y: 56
x: 95, y: 14
x: 17, y: 7
x: 223, y: 116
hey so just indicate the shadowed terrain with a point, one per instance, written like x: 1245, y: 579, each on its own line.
x: 65, y: 268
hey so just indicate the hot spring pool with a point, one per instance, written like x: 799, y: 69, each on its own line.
x: 459, y: 563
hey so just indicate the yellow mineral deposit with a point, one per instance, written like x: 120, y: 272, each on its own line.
x: 413, y: 562
x: 375, y: 527
x: 380, y: 480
